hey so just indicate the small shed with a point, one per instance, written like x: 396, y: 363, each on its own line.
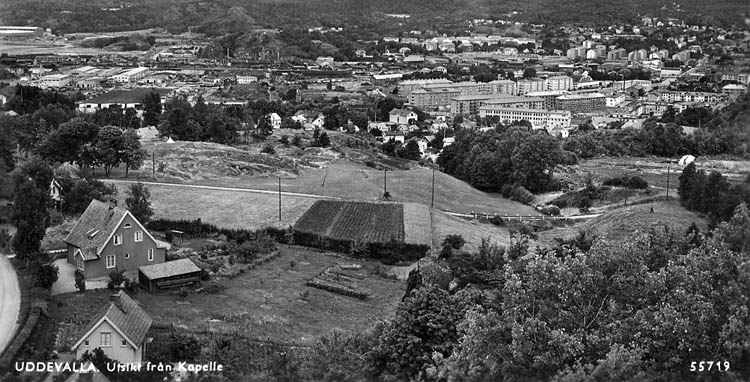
x: 175, y: 273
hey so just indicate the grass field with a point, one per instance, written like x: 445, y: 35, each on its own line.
x: 621, y: 224
x: 225, y: 209
x: 264, y: 302
x: 349, y: 180
x: 471, y: 230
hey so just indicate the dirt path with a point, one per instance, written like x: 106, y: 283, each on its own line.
x: 10, y: 295
x: 216, y: 188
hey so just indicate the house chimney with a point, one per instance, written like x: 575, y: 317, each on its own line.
x: 115, y: 299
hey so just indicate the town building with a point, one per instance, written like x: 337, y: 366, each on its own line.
x: 685, y: 96
x: 549, y: 97
x: 402, y: 116
x: 55, y: 81
x: 530, y: 85
x: 120, y: 330
x: 471, y: 104
x: 582, y: 103
x: 734, y: 91
x: 107, y: 238
x: 558, y: 83
x: 123, y: 97
x: 539, y: 119
x: 130, y: 76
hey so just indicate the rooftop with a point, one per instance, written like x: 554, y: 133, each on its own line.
x: 169, y: 269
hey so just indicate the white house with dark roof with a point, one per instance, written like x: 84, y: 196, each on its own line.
x: 120, y: 329
x: 402, y: 116
x: 107, y: 238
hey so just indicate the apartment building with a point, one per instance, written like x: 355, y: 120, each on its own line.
x: 558, y: 83
x: 539, y: 119
x: 582, y: 103
x: 530, y: 85
x: 685, y: 96
x: 472, y: 104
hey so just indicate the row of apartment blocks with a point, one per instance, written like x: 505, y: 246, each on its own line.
x: 429, y: 94
x: 548, y: 100
x: 539, y: 119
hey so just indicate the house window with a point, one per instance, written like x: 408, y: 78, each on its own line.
x: 138, y: 236
x: 86, y: 343
x: 127, y: 255
x: 110, y: 261
x: 127, y: 225
x: 117, y: 240
x: 106, y: 340
x: 150, y: 254
x: 123, y: 343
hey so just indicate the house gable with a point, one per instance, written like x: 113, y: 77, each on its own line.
x: 126, y: 218
x: 106, y: 324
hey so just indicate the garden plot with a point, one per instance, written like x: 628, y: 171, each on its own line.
x: 342, y: 279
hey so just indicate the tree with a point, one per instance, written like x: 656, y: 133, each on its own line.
x: 151, y: 109
x: 111, y: 148
x: 29, y: 214
x: 46, y: 275
x: 410, y: 151
x: 65, y: 144
x: 78, y: 194
x: 323, y: 140
x: 80, y: 280
x: 535, y: 159
x: 529, y: 73
x: 138, y: 202
x: 132, y: 153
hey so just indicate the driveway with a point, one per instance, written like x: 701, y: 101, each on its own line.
x: 10, y: 295
x: 66, y: 280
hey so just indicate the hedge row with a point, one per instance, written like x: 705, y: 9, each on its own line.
x: 317, y: 283
x: 196, y: 228
x: 388, y: 253
x: 19, y: 340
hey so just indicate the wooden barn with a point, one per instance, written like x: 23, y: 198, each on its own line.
x: 176, y: 273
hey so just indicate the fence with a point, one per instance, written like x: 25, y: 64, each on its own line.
x: 505, y: 217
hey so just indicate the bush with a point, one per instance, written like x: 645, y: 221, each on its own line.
x: 284, y: 140
x: 116, y: 278
x: 46, y: 275
x: 634, y: 182
x: 131, y: 286
x: 268, y: 149
x: 261, y: 243
x: 551, y: 210
x: 521, y: 194
x: 507, y: 190
x: 80, y: 281
x: 455, y: 241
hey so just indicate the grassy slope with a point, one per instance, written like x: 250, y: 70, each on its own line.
x: 623, y: 223
x: 471, y: 230
x: 226, y: 209
x: 352, y: 181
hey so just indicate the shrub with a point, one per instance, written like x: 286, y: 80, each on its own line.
x: 80, y: 281
x: 303, y: 295
x: 297, y: 141
x: 131, y: 286
x: 370, y: 163
x: 116, y: 278
x: 634, y: 182
x: 260, y: 243
x: 268, y: 149
x: 292, y: 264
x: 284, y: 140
x: 46, y: 275
x: 549, y: 209
x: 506, y: 190
x: 521, y: 194
x: 232, y: 260
x: 446, y: 252
x: 455, y: 241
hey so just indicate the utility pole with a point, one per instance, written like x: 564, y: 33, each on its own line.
x: 668, y: 181
x: 153, y: 164
x: 385, y: 180
x: 279, y: 198
x: 432, y: 202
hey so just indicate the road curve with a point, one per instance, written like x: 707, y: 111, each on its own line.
x: 10, y: 302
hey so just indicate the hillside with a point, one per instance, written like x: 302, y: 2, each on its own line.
x: 368, y: 18
x: 349, y: 180
x: 621, y: 224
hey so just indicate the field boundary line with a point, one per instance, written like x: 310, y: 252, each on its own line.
x: 221, y: 188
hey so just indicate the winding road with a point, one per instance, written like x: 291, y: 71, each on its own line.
x: 10, y: 302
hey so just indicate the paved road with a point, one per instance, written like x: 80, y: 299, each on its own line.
x: 10, y: 302
x: 217, y: 188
